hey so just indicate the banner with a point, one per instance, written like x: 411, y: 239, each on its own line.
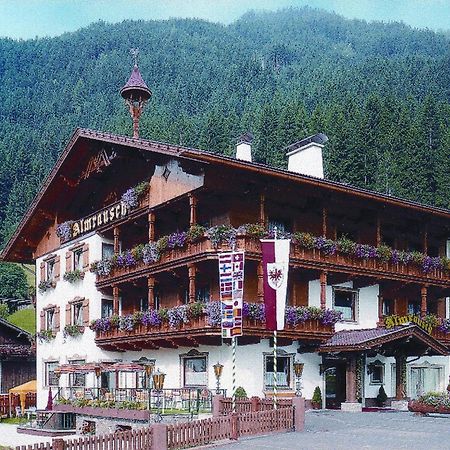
x: 231, y: 287
x: 276, y: 266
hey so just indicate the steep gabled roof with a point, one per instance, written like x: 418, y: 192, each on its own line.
x: 16, y: 248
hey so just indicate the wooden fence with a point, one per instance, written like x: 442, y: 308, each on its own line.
x: 247, y: 405
x: 4, y: 403
x: 163, y: 436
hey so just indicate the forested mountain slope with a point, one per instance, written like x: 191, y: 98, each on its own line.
x: 381, y: 92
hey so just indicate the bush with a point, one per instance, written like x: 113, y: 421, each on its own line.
x: 317, y: 396
x: 240, y: 392
x: 381, y: 397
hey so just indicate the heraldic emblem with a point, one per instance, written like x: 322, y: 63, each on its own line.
x: 276, y: 273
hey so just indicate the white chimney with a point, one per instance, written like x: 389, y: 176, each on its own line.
x: 305, y: 156
x: 244, y: 147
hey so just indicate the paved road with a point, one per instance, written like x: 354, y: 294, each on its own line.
x: 336, y: 430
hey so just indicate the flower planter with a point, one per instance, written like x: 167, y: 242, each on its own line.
x: 415, y: 406
x: 115, y: 413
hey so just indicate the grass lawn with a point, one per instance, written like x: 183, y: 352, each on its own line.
x: 24, y: 318
x: 14, y: 421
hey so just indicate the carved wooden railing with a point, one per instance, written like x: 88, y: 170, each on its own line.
x: 300, y: 256
x: 441, y: 336
x: 186, y: 334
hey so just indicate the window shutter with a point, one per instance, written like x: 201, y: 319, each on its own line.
x: 86, y: 312
x: 69, y: 261
x: 42, y: 320
x: 57, y: 268
x: 42, y: 271
x: 68, y: 314
x: 57, y: 318
x: 85, y: 256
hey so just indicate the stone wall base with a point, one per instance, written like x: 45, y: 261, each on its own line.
x: 351, y: 407
x: 400, y: 405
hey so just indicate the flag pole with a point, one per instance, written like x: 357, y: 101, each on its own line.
x: 233, y: 370
x: 275, y: 344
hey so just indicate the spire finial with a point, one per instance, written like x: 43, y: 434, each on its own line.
x: 134, y: 53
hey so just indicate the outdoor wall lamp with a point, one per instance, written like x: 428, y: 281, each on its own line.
x: 218, y: 373
x: 298, y: 371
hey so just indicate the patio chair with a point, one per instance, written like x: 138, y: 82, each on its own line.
x: 18, y: 411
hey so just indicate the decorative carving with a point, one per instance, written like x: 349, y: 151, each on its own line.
x: 98, y: 163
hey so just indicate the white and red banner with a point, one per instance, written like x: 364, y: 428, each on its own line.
x: 231, y: 286
x: 275, y: 258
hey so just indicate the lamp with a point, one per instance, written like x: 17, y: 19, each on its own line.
x: 98, y: 371
x: 218, y: 373
x: 298, y: 371
x: 158, y: 383
x: 149, y: 369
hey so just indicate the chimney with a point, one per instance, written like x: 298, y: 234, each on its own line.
x: 244, y: 147
x: 305, y: 156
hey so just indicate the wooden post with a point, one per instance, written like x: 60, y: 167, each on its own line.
x: 350, y: 378
x: 193, y: 210
x: 115, y: 300
x: 191, y: 274
x: 423, y: 302
x: 378, y: 237
x: 159, y: 436
x: 260, y: 275
x: 116, y: 232
x: 151, y: 226
x: 324, y: 221
x: 216, y: 405
x: 58, y: 444
x: 262, y: 210
x: 380, y: 308
x: 400, y: 377
x: 151, y: 292
x: 299, y: 413
x: 323, y: 290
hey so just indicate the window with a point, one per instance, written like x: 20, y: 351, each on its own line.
x: 202, y: 294
x: 107, y: 250
x: 77, y: 313
x: 77, y: 379
x: 376, y: 372
x: 413, y: 307
x: 195, y: 373
x: 387, y: 307
x: 50, y: 319
x: 107, y: 307
x: 345, y: 301
x: 284, y: 364
x: 50, y: 266
x: 50, y: 378
x: 78, y: 259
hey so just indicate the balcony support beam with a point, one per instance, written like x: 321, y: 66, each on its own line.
x: 192, y: 270
x: 260, y: 275
x: 380, y: 308
x: 323, y: 289
x: 423, y: 300
x: 151, y: 226
x: 262, y: 210
x: 151, y: 292
x: 192, y: 210
x: 116, y: 232
x: 324, y: 221
x: 115, y: 300
x: 378, y: 237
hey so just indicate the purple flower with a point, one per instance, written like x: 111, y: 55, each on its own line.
x: 254, y: 311
x: 126, y: 259
x: 103, y: 324
x: 431, y: 263
x: 177, y: 240
x: 150, y: 253
x: 177, y: 316
x: 126, y: 323
x: 130, y: 198
x: 395, y: 256
x: 151, y: 318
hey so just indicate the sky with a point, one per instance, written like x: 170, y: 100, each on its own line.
x: 25, y: 19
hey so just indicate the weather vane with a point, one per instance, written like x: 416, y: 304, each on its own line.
x: 134, y: 53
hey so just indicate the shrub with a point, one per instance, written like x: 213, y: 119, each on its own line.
x: 381, y: 397
x: 73, y: 275
x: 240, y: 392
x: 317, y: 396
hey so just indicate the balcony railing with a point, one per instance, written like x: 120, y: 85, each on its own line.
x: 198, y: 331
x: 300, y: 256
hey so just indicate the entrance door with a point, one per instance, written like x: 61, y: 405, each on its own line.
x: 335, y: 386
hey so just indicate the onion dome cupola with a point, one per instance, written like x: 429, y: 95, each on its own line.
x: 136, y: 94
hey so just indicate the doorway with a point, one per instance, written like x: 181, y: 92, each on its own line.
x: 335, y: 385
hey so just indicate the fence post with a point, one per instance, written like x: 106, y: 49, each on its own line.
x: 58, y: 444
x: 234, y: 426
x: 159, y: 436
x: 299, y: 413
x: 255, y: 402
x: 217, y: 405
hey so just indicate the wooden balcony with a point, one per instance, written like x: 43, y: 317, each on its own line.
x: 198, y: 332
x: 443, y: 338
x: 300, y: 257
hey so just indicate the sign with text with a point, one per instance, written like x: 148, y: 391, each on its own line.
x: 394, y: 321
x: 231, y: 287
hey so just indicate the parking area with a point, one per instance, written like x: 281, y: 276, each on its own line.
x: 336, y: 430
